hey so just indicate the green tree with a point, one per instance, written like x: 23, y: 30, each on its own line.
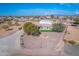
x: 58, y: 27
x: 31, y: 29
x: 76, y: 20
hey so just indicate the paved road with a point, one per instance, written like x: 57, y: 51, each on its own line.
x: 10, y: 44
x: 70, y: 50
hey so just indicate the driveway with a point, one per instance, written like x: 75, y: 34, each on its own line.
x: 52, y: 45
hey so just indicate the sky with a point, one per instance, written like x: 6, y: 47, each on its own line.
x: 38, y: 9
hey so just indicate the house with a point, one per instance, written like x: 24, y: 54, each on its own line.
x: 47, y: 23
x: 1, y: 19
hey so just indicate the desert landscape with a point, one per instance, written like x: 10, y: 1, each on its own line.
x: 39, y: 32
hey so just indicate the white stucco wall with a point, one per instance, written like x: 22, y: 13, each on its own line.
x: 45, y: 24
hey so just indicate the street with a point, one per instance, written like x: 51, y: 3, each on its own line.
x: 10, y: 44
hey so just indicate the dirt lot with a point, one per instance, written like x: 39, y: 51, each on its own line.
x: 73, y: 33
x: 4, y: 33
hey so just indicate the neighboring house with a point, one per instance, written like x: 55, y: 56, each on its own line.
x: 70, y: 21
x: 1, y: 20
x: 48, y: 17
x: 22, y: 19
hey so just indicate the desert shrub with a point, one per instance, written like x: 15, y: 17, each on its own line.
x: 72, y: 42
x: 20, y: 28
x: 9, y: 23
x: 65, y: 40
x: 5, y: 27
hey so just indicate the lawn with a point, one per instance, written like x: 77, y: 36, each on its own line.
x: 46, y: 30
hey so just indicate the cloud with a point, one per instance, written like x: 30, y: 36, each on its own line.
x: 76, y: 12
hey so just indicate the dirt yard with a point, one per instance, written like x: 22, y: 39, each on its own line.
x: 4, y: 33
x: 73, y: 33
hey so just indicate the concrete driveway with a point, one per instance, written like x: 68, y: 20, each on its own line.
x: 38, y: 46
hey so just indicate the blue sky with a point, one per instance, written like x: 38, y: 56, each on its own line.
x: 37, y: 9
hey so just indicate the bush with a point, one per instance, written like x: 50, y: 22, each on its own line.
x: 9, y: 23
x: 20, y: 28
x: 76, y: 21
x: 58, y: 27
x: 5, y: 27
x: 36, y: 33
x: 65, y: 40
x: 17, y: 23
x: 31, y: 29
x: 72, y: 42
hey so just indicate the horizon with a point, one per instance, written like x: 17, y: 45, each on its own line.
x: 39, y: 9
